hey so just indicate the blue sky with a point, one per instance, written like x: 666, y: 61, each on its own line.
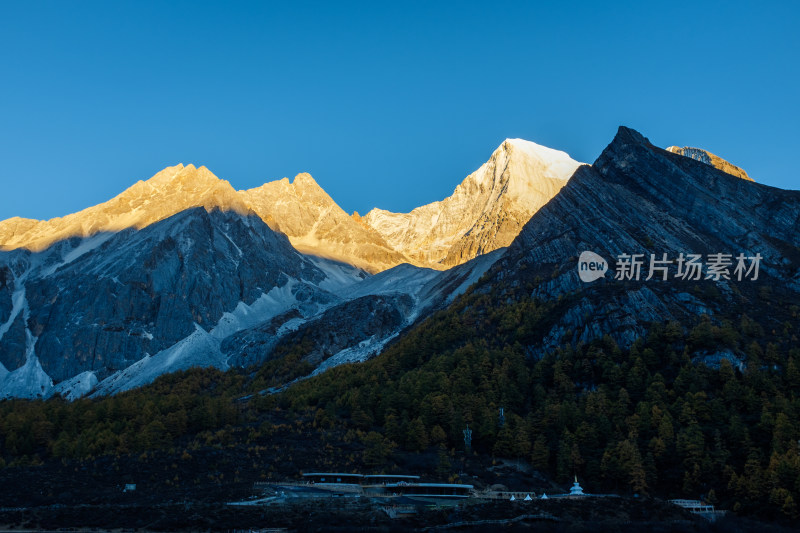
x: 386, y: 104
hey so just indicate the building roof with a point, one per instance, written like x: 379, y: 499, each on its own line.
x: 392, y: 476
x: 340, y: 474
x: 423, y: 485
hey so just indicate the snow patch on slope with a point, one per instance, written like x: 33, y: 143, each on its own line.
x: 339, y: 276
x: 454, y: 282
x: 268, y: 305
x: 200, y: 349
x: 76, y: 386
x: 18, y: 304
x: 87, y: 245
x: 427, y: 287
x: 28, y: 381
x: 359, y: 353
x: 405, y: 279
x: 557, y: 164
x: 290, y: 325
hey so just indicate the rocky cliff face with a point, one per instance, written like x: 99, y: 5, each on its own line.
x: 103, y: 303
x: 710, y: 159
x: 485, y: 212
x: 639, y: 199
x: 110, y: 312
x: 355, y: 326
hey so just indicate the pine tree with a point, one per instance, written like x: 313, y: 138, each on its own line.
x: 377, y: 449
x: 540, y: 455
x: 417, y: 437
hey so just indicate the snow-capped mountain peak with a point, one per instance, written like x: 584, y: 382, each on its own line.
x: 486, y: 210
x: 554, y: 163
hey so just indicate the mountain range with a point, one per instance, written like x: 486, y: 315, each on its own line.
x: 485, y: 212
x: 183, y: 270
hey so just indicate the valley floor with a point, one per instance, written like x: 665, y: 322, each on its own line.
x: 620, y: 515
x: 89, y: 496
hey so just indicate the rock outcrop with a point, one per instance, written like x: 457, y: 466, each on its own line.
x: 710, y: 159
x: 314, y: 223
x: 138, y: 292
x: 104, y: 314
x: 357, y: 323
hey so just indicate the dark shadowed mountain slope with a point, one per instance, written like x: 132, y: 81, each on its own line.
x: 640, y: 199
x: 98, y: 305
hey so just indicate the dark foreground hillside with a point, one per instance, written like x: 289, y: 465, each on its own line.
x: 655, y: 424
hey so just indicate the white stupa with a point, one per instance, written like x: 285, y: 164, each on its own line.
x: 576, y: 489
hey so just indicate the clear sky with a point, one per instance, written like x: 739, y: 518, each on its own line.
x: 386, y: 104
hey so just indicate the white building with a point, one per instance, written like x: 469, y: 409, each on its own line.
x: 576, y: 489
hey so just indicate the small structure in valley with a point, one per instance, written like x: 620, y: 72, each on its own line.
x: 430, y: 490
x: 341, y: 478
x: 392, y: 487
x: 576, y: 489
x: 700, y: 508
x: 383, y: 479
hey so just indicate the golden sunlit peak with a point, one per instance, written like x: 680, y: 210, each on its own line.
x: 166, y: 175
x: 304, y: 179
x: 168, y: 192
